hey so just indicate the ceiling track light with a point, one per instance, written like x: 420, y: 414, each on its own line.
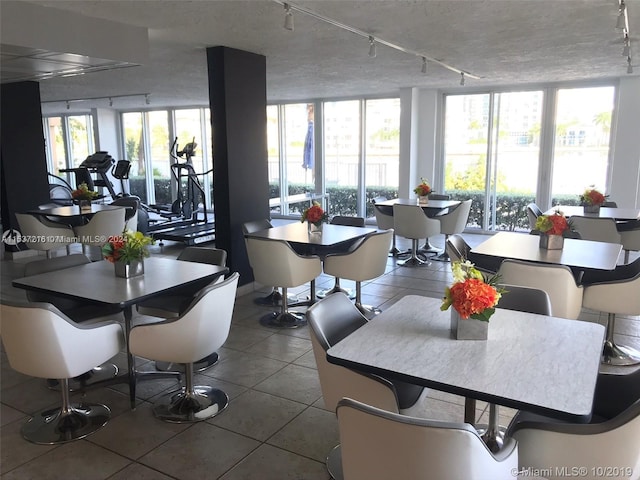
x: 424, y: 65
x: 68, y: 105
x: 288, y: 17
x: 377, y: 40
x: 372, y: 47
x: 462, y: 79
x: 622, y: 23
x: 626, y: 50
x: 147, y: 100
x: 629, y: 66
x: 110, y: 102
x: 109, y: 99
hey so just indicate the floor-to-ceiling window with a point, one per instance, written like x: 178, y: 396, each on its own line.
x: 494, y: 152
x: 134, y: 151
x: 357, y: 148
x: 69, y: 141
x: 581, y: 146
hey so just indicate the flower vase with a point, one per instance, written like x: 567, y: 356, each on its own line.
x: 132, y: 268
x: 468, y: 329
x: 551, y: 242
x: 423, y: 200
x: 85, y: 206
x: 591, y: 208
x: 314, y: 228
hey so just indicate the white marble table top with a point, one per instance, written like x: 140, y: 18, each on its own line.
x: 616, y: 213
x: 97, y: 281
x: 575, y: 253
x: 533, y: 362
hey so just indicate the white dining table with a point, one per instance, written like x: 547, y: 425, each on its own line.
x: 526, y: 363
x: 575, y: 253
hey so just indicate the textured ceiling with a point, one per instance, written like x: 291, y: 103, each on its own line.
x: 505, y: 42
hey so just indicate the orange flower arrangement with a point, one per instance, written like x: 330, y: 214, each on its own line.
x: 423, y: 189
x: 126, y: 247
x: 471, y: 294
x: 315, y: 214
x: 555, y: 224
x: 591, y: 196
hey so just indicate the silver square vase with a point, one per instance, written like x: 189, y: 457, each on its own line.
x: 134, y: 268
x: 551, y: 242
x: 469, y: 329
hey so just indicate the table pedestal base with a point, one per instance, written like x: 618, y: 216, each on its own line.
x: 274, y: 299
x: 492, y: 434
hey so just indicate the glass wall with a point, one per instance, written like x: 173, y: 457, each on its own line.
x: 134, y: 151
x: 581, y: 146
x: 493, y: 150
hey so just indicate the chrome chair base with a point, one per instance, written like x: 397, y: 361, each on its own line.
x: 443, y: 257
x: 349, y: 292
x: 334, y: 463
x: 368, y: 310
x: 201, y: 403
x: 428, y: 248
x: 274, y: 299
x: 283, y: 320
x: 54, y: 426
x: 613, y: 354
x: 199, y: 366
x: 414, y: 261
x: 99, y: 374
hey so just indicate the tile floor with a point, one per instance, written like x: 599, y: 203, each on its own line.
x: 276, y: 426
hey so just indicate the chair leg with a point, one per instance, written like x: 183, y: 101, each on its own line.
x: 285, y: 319
x: 66, y: 423
x: 274, y: 298
x: 414, y: 260
x: 199, y: 366
x: 444, y: 256
x: 394, y: 252
x: 337, y: 288
x: 193, y: 403
x: 94, y: 376
x: 428, y: 248
x: 334, y: 463
x: 367, y: 310
x: 613, y: 354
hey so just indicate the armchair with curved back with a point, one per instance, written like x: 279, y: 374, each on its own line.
x: 378, y: 444
x: 132, y: 205
x: 609, y: 443
x: 201, y: 329
x: 453, y: 222
x: 104, y: 224
x: 41, y: 234
x: 411, y: 222
x: 596, y: 229
x: 384, y: 221
x: 533, y: 212
x: 43, y: 342
x: 331, y: 320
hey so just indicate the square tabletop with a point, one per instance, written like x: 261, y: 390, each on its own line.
x: 526, y: 362
x: 575, y: 253
x: 434, y: 206
x: 74, y: 210
x: 332, y: 238
x: 97, y: 281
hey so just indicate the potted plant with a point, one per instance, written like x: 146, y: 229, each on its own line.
x: 315, y: 216
x: 83, y: 196
x: 552, y: 229
x: 423, y: 190
x: 127, y: 252
x: 473, y: 298
x: 592, y: 200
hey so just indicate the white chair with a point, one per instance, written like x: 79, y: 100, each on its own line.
x: 384, y: 221
x: 76, y: 310
x: 453, y: 223
x: 201, y: 329
x: 615, y: 292
x: 331, y: 320
x: 379, y: 445
x: 44, y: 235
x: 596, y: 229
x: 274, y: 262
x: 174, y: 304
x: 630, y: 240
x: 410, y: 222
x: 275, y: 297
x: 41, y: 341
x: 349, y: 222
x: 104, y: 224
x: 366, y: 261
x: 557, y: 280
x: 427, y: 247
x: 609, y: 443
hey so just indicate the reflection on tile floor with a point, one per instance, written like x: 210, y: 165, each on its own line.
x: 276, y: 426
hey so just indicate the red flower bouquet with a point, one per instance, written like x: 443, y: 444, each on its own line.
x: 423, y: 189
x: 555, y: 224
x: 315, y: 214
x: 591, y: 196
x: 83, y: 193
x: 471, y: 294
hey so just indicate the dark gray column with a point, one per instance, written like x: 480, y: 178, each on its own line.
x: 238, y: 102
x: 24, y: 164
